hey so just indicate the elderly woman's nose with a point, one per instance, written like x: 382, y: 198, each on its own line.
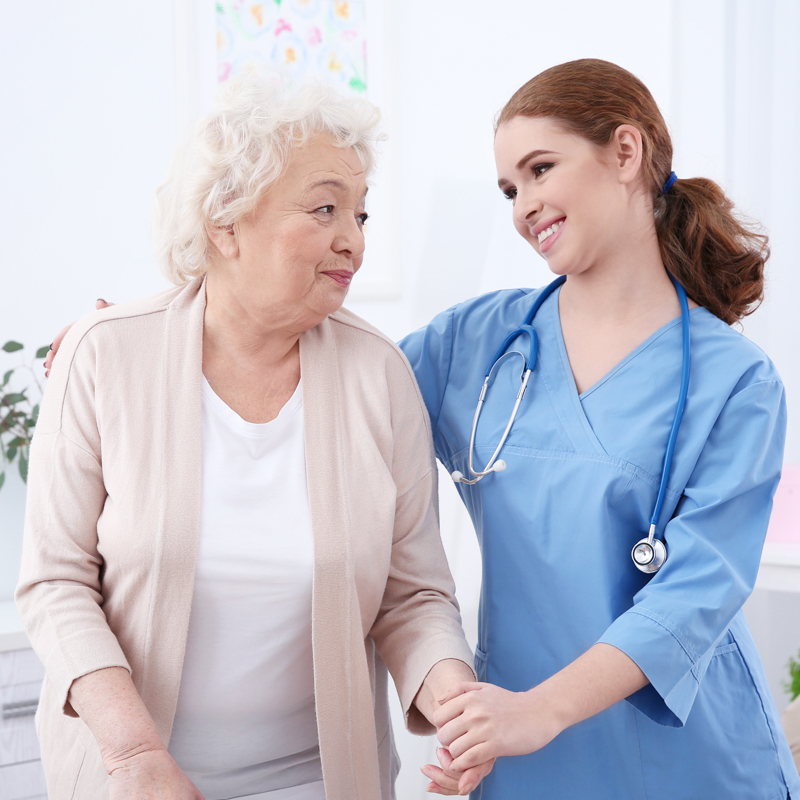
x: 350, y: 239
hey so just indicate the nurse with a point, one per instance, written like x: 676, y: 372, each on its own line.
x: 597, y: 678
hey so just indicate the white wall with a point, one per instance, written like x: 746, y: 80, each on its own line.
x: 89, y: 103
x: 88, y: 109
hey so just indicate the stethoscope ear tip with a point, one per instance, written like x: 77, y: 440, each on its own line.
x: 457, y: 476
x: 499, y: 465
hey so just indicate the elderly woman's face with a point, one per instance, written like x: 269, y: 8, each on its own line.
x: 295, y: 256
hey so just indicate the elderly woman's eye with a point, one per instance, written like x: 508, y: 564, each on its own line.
x: 326, y: 209
x: 362, y: 218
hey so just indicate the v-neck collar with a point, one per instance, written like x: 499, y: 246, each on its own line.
x: 560, y: 382
x: 640, y: 348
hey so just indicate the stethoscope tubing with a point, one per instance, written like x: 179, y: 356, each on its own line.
x: 657, y: 549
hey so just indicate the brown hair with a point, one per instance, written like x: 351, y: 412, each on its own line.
x: 718, y: 258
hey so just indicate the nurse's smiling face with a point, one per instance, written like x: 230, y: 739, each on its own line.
x: 571, y: 199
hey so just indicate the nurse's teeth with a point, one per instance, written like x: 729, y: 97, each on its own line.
x: 550, y: 231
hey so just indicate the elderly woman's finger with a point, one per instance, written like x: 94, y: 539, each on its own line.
x: 446, y: 759
x: 100, y: 304
x: 438, y: 776
x: 443, y: 779
x: 474, y: 775
x: 435, y: 788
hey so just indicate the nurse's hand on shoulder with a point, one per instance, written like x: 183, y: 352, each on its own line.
x: 51, y: 353
x: 480, y: 721
x: 151, y: 775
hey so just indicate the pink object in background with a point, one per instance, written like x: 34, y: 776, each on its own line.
x: 784, y: 525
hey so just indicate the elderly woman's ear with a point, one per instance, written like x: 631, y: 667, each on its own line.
x: 225, y: 239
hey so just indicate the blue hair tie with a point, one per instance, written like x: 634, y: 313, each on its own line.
x: 670, y: 181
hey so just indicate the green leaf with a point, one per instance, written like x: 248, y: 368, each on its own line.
x: 16, y: 442
x: 2, y: 479
x: 793, y: 686
x: 7, y: 376
x: 11, y: 454
x: 42, y: 351
x: 12, y: 347
x: 23, y: 467
x: 15, y: 397
x: 35, y: 414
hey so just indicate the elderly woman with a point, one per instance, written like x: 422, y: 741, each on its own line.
x: 232, y: 525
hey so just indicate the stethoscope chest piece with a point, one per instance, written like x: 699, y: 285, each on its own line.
x: 649, y: 554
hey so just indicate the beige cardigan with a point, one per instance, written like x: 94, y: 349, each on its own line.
x: 113, y: 519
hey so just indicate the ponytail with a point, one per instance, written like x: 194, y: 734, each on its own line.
x: 717, y: 258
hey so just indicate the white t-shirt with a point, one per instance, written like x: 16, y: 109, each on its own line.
x: 246, y: 724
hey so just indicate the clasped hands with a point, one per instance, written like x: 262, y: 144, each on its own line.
x: 478, y: 722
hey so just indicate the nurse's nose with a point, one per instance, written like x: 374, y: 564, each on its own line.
x: 526, y: 207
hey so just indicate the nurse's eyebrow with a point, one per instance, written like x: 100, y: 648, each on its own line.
x: 533, y: 154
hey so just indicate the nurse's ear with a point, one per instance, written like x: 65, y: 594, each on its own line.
x: 625, y: 148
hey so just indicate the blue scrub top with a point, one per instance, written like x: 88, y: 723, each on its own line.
x: 556, y: 530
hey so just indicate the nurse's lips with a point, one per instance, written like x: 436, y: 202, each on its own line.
x: 548, y: 231
x: 340, y: 276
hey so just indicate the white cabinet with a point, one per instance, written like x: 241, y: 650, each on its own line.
x: 21, y: 776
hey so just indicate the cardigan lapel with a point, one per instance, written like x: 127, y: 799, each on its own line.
x: 177, y: 458
x: 345, y: 713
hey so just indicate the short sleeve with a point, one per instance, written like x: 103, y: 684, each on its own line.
x: 714, y: 543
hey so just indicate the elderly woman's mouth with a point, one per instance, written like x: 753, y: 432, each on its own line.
x: 340, y: 276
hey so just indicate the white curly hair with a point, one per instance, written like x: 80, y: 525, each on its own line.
x: 239, y: 150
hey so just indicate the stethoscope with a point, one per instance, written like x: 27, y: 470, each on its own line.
x: 650, y: 553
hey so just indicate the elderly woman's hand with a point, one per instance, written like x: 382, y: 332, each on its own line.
x: 137, y: 762
x: 152, y: 775
x: 445, y: 780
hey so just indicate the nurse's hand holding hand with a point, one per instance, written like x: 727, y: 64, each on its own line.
x: 439, y: 683
x: 479, y: 721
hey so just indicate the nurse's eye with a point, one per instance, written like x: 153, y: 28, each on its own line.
x: 510, y: 193
x: 540, y: 169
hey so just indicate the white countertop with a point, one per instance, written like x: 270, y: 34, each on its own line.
x: 12, y: 634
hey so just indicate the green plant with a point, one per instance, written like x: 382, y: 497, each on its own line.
x: 18, y: 414
x: 792, y: 686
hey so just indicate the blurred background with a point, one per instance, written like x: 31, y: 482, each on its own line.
x: 95, y: 96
